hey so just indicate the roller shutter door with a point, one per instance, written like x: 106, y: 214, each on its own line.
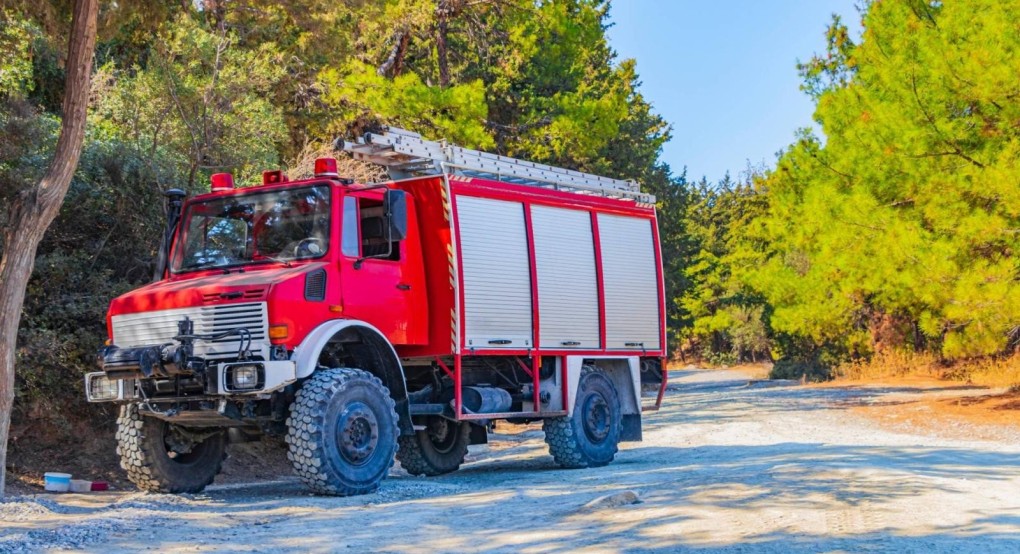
x: 631, y: 287
x: 568, y: 301
x: 497, y: 276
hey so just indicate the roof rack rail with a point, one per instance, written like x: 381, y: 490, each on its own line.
x: 406, y: 154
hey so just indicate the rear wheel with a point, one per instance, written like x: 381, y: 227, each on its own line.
x: 160, y: 457
x: 342, y: 432
x: 439, y: 448
x: 590, y: 436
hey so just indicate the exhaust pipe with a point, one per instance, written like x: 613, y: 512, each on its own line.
x: 174, y: 202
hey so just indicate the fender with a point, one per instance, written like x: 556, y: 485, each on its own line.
x: 625, y: 373
x: 386, y: 366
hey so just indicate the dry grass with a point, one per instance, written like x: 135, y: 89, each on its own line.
x: 990, y: 372
x: 361, y: 172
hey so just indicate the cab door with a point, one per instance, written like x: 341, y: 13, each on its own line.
x: 382, y: 281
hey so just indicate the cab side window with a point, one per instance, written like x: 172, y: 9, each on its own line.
x: 364, y: 230
x: 350, y: 240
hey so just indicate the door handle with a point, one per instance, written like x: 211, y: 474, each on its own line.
x: 403, y: 286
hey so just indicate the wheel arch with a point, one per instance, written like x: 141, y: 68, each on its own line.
x: 368, y: 349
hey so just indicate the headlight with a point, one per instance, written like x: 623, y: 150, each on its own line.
x: 100, y: 388
x: 243, y: 377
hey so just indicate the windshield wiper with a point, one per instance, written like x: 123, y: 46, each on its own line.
x: 286, y: 263
x: 199, y: 265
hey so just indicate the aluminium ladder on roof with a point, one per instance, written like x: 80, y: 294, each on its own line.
x: 405, y: 154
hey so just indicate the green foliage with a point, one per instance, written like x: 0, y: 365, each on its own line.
x: 726, y: 316
x: 910, y: 207
x: 16, y: 37
x: 27, y: 138
x: 101, y: 245
x: 202, y: 100
x: 456, y: 113
x: 555, y: 94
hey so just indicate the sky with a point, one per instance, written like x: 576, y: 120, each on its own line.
x: 724, y: 73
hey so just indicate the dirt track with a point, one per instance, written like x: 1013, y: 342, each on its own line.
x: 729, y: 465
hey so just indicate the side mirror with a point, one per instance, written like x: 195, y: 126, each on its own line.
x: 395, y: 213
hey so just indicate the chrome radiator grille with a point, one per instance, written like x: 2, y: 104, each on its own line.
x: 153, y: 328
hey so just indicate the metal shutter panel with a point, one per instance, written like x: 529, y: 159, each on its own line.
x: 497, y: 275
x: 631, y: 286
x: 568, y: 296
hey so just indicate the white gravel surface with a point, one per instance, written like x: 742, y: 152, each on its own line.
x: 729, y: 465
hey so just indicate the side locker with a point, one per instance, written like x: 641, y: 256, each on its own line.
x: 629, y: 274
x: 497, y: 273
x: 568, y: 305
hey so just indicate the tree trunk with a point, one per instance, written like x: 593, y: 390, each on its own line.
x: 34, y: 209
x: 398, y: 63
x: 445, y: 11
x: 394, y: 63
x: 441, y: 53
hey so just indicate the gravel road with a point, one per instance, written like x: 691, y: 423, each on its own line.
x: 729, y: 465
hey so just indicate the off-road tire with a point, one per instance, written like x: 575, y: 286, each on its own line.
x: 421, y: 454
x: 572, y: 445
x: 145, y: 458
x: 326, y: 432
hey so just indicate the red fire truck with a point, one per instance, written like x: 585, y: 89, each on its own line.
x: 367, y: 322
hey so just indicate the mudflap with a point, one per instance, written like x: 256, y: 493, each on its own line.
x: 479, y: 435
x: 630, y: 428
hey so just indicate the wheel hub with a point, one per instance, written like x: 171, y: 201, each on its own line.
x: 596, y: 418
x: 441, y: 434
x: 357, y: 433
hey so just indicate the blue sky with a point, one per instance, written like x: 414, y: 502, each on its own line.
x: 724, y: 74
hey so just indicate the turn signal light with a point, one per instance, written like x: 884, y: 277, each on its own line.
x: 326, y: 167
x: 221, y: 181
x: 279, y: 332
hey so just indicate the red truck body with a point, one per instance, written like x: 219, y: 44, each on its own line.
x: 466, y: 299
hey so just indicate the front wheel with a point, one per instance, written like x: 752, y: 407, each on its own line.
x: 160, y: 457
x: 590, y: 436
x: 342, y: 432
x: 439, y: 448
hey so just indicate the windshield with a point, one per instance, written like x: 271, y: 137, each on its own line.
x: 278, y: 225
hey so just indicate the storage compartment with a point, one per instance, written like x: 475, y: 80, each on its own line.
x: 568, y: 291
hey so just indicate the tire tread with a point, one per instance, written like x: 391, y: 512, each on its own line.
x: 137, y: 458
x: 305, y: 429
x: 563, y: 440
